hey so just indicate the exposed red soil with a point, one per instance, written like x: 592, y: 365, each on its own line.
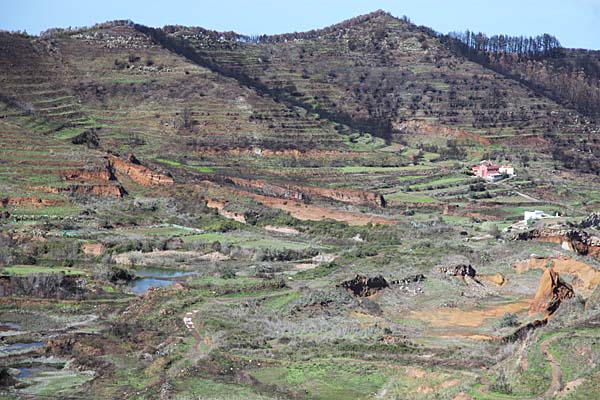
x: 93, y: 249
x: 299, y: 192
x: 138, y: 173
x: 303, y: 211
x: 86, y: 175
x: 551, y: 292
x: 21, y: 238
x: 455, y: 317
x: 586, y: 273
x: 28, y: 201
x: 100, y: 190
x: 220, y: 206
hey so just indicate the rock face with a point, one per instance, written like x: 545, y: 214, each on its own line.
x: 6, y: 379
x: 86, y: 175
x: 87, y: 189
x: 48, y: 286
x: 363, y: 287
x: 575, y: 240
x: 551, y: 292
x: 592, y: 221
x: 459, y: 270
x: 31, y: 201
x: 138, y: 173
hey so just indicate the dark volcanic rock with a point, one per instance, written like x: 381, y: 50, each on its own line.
x: 6, y: 379
x: 592, y: 221
x: 363, y: 286
x: 459, y: 270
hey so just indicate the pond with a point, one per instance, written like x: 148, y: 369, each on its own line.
x: 9, y: 326
x: 147, y: 278
x: 19, y: 348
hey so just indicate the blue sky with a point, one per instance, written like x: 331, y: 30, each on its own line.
x: 575, y: 22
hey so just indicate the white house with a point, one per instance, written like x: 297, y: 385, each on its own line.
x: 535, y: 215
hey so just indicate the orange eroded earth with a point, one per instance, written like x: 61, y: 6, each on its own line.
x: 317, y: 213
x: 297, y: 209
x: 455, y: 317
x: 588, y: 274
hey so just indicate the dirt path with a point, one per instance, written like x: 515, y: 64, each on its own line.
x: 528, y: 197
x: 556, y: 383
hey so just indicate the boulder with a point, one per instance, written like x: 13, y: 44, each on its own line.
x: 6, y: 378
x: 363, y: 286
x: 459, y: 270
x: 592, y: 221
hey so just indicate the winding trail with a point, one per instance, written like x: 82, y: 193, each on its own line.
x: 556, y: 383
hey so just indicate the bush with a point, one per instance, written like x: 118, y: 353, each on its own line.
x: 501, y: 385
x: 508, y: 320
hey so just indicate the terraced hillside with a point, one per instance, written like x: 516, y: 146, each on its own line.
x: 115, y: 81
x: 188, y: 214
x: 376, y: 72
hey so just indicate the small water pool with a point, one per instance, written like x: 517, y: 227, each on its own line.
x: 10, y: 326
x: 155, y: 277
x: 17, y: 348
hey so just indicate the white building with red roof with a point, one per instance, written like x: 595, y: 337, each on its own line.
x: 492, y: 172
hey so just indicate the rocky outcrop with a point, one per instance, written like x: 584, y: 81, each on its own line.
x: 574, y: 239
x: 551, y: 292
x: 99, y: 190
x: 410, y: 279
x: 137, y: 172
x: 304, y: 193
x: 364, y: 287
x: 48, y: 286
x: 592, y: 221
x: 28, y: 201
x: 6, y: 378
x: 86, y: 175
x: 458, y: 270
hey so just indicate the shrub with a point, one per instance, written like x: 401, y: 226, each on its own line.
x: 508, y: 320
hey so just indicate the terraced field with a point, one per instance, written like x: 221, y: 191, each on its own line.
x: 194, y: 214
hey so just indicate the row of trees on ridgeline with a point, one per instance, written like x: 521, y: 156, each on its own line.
x: 545, y: 44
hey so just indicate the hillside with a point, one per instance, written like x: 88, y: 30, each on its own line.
x: 195, y: 214
x: 377, y: 72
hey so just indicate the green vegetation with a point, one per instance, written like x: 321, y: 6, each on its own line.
x: 27, y: 270
x: 316, y: 237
